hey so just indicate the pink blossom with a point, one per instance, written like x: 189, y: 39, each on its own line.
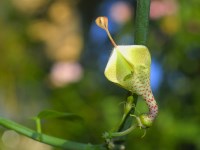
x: 63, y: 73
x: 121, y: 12
x: 160, y: 8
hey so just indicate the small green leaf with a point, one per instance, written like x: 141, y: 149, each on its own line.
x: 51, y: 114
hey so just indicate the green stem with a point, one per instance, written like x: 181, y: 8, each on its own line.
x: 141, y: 22
x: 123, y: 133
x: 57, y: 142
x: 38, y: 125
x: 127, y: 119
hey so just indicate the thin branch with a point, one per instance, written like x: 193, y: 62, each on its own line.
x: 53, y: 141
x: 141, y: 22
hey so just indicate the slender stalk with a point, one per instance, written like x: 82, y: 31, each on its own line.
x: 53, y: 141
x: 38, y: 125
x: 123, y: 133
x: 127, y: 119
x: 111, y: 39
x: 141, y: 22
x: 102, y: 22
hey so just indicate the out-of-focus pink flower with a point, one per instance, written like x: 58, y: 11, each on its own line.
x: 160, y: 8
x: 121, y: 12
x: 63, y: 73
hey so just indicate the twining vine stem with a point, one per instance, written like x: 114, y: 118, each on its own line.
x: 141, y: 22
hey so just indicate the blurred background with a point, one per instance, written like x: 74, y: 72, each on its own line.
x: 53, y: 57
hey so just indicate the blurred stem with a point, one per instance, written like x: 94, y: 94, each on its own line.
x: 126, y: 119
x: 123, y: 133
x: 127, y: 109
x: 50, y: 140
x: 140, y: 36
x: 38, y: 125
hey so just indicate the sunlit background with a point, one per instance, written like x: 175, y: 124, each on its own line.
x: 53, y: 57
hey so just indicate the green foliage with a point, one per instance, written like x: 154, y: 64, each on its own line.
x: 51, y: 114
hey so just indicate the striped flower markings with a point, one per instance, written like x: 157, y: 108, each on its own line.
x: 129, y: 67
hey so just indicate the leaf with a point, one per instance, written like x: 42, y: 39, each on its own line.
x: 51, y: 114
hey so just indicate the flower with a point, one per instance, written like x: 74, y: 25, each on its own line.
x: 63, y: 73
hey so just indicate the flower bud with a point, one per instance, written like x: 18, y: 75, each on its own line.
x: 145, y: 121
x: 102, y: 22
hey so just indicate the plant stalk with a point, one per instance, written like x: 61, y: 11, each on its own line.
x: 141, y: 22
x: 50, y: 140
